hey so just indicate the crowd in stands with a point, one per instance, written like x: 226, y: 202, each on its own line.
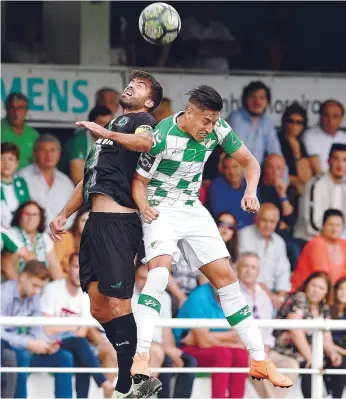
x: 290, y: 258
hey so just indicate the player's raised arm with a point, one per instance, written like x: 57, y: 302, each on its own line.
x: 140, y: 195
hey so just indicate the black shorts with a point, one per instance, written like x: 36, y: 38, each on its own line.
x: 109, y: 244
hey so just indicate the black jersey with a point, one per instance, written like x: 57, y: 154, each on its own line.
x: 109, y: 167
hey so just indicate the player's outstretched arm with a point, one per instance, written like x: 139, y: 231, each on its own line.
x: 75, y: 202
x: 139, y: 194
x: 139, y: 142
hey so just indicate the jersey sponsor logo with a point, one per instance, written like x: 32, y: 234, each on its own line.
x: 177, y: 151
x: 118, y: 285
x: 157, y: 137
x: 123, y: 121
x: 146, y: 161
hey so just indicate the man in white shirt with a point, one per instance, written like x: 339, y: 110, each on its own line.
x: 271, y: 249
x: 49, y: 187
x: 322, y: 193
x: 318, y: 140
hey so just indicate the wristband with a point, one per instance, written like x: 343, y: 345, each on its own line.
x: 283, y: 199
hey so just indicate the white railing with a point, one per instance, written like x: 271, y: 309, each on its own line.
x: 316, y: 326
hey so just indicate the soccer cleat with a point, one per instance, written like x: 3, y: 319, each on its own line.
x: 144, y: 385
x: 266, y: 370
x: 129, y: 394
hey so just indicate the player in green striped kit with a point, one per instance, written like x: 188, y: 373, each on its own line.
x: 166, y: 190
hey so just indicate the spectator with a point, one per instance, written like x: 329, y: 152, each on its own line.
x: 322, y: 193
x: 226, y: 192
x: 326, y: 252
x: 253, y: 125
x: 107, y: 97
x: 49, y: 187
x: 78, y: 146
x: 300, y: 166
x: 65, y: 298
x: 8, y: 380
x: 271, y: 248
x: 248, y: 270
x: 28, y: 228
x: 163, y: 110
x: 213, y: 347
x: 164, y: 343
x: 206, y: 43
x: 22, y: 298
x: 14, y: 129
x: 14, y: 190
x: 311, y: 301
x: 228, y: 228
x: 71, y: 242
x: 318, y: 140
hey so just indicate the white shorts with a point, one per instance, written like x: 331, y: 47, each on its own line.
x: 190, y: 230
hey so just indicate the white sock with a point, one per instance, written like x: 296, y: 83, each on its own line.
x: 238, y: 315
x: 149, y: 306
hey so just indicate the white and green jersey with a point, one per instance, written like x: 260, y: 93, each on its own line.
x: 9, y: 241
x: 176, y: 161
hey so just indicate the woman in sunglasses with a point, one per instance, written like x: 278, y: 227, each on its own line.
x: 300, y: 166
x: 228, y: 228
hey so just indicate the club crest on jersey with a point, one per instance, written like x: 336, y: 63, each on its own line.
x: 123, y: 121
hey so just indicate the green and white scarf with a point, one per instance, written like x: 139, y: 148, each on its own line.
x: 20, y: 190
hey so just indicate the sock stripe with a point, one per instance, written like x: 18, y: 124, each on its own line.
x: 239, y: 316
x: 149, y: 301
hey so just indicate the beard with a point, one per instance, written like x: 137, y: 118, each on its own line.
x: 130, y: 103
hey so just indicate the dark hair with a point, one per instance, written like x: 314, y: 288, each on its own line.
x: 337, y: 147
x: 232, y: 245
x: 18, y: 213
x: 100, y: 93
x: 97, y: 111
x: 156, y: 88
x: 206, y: 98
x: 35, y: 268
x: 15, y: 96
x: 10, y: 147
x: 294, y: 108
x: 254, y: 86
x: 338, y: 308
x: 325, y: 276
x: 74, y: 227
x: 331, y: 101
x: 332, y: 212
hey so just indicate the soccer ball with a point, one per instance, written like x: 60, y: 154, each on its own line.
x: 159, y: 23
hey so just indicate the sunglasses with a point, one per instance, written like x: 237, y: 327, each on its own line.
x: 228, y: 225
x: 295, y: 122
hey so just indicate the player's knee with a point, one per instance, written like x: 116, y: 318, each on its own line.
x: 157, y: 279
x: 119, y: 307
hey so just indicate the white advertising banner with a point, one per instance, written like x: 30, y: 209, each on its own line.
x: 56, y: 94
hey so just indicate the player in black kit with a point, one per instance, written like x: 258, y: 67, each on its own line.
x: 113, y: 232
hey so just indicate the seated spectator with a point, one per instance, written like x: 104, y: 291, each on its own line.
x: 28, y: 228
x: 326, y: 252
x: 163, y: 351
x: 14, y: 190
x: 65, y: 298
x: 71, y: 241
x: 109, y: 98
x: 33, y: 349
x: 213, y: 347
x: 322, y: 193
x: 311, y: 301
x: 14, y: 129
x: 164, y: 110
x: 300, y: 165
x: 248, y: 271
x: 271, y: 248
x: 228, y: 228
x: 226, y: 192
x: 206, y: 42
x: 318, y: 140
x: 49, y: 187
x: 78, y: 146
x: 8, y: 380
x: 253, y: 125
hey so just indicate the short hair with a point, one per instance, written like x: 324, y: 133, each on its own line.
x: 18, y: 213
x: 46, y: 138
x: 35, y: 268
x: 331, y: 101
x: 206, y: 98
x: 254, y: 86
x: 155, y: 87
x: 10, y: 148
x: 15, y: 96
x: 99, y: 94
x: 295, y: 108
x: 248, y: 254
x: 337, y: 147
x: 97, y: 111
x: 332, y: 212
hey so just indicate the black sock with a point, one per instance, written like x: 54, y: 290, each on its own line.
x: 122, y: 333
